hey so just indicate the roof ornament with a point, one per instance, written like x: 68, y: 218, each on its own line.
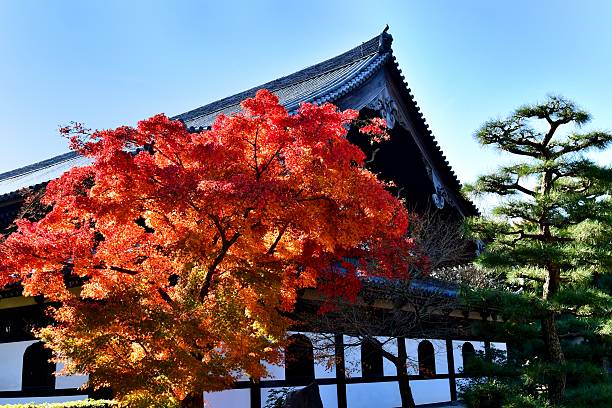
x: 384, y: 41
x: 440, y: 196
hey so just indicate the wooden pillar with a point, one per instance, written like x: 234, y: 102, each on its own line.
x: 255, y: 388
x: 487, y: 348
x: 452, y: 378
x: 340, y: 371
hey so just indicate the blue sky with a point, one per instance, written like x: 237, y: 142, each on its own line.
x: 108, y: 63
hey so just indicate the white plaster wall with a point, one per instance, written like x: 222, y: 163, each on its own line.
x: 277, y: 372
x: 458, y: 357
x: 68, y: 381
x: 42, y: 399
x: 11, y: 364
x: 352, y: 358
x: 499, y: 351
x: 329, y: 396
x: 378, y: 395
x: 430, y: 391
x: 413, y: 356
x: 228, y: 399
x: 321, y: 365
x: 328, y: 393
x: 412, y: 348
x: 440, y: 354
x: 500, y: 346
x: 389, y: 345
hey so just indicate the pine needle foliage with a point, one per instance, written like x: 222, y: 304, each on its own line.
x: 549, y: 239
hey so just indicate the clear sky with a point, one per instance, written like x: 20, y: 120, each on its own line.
x: 108, y: 63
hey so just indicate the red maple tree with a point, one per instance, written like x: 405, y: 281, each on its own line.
x: 192, y: 247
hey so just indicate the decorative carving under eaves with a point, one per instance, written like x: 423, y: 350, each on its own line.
x: 386, y: 106
x: 440, y: 195
x: 388, y: 109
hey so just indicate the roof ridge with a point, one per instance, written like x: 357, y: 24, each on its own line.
x: 287, y: 85
x: 37, y: 166
x: 361, y: 51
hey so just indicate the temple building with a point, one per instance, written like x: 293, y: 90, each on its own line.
x: 366, y: 78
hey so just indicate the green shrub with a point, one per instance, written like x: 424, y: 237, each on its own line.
x: 496, y: 394
x: 524, y: 401
x: 277, y: 398
x: 490, y: 394
x: 592, y: 396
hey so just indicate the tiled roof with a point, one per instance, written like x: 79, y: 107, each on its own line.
x: 319, y: 83
x: 427, y: 286
x: 38, y: 173
x: 323, y: 82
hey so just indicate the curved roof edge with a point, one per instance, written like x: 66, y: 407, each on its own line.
x: 448, y: 174
x: 364, y: 50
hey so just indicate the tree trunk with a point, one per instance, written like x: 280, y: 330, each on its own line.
x: 193, y: 400
x: 402, y: 375
x: 405, y: 389
x: 556, y: 382
x: 552, y: 342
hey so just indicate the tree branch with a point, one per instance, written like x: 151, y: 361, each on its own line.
x: 265, y: 167
x: 216, y: 262
x: 277, y: 240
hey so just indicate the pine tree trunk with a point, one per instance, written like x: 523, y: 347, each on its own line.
x: 552, y: 342
x: 556, y: 382
x: 193, y: 400
x: 402, y: 375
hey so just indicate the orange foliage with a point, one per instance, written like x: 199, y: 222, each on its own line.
x: 193, y: 247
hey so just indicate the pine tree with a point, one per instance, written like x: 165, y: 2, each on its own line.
x: 549, y: 239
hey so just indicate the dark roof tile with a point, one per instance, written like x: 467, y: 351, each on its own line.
x: 319, y: 83
x: 38, y: 173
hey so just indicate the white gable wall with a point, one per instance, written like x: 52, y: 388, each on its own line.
x: 11, y: 363
x: 11, y: 366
